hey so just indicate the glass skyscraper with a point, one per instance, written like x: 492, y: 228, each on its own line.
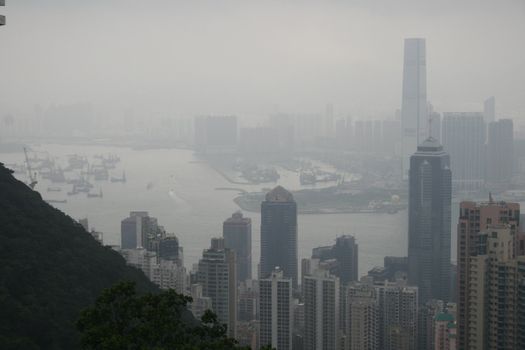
x: 430, y: 195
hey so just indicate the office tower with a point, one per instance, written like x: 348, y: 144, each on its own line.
x: 489, y: 110
x: 215, y: 134
x: 139, y: 230
x: 321, y: 310
x: 398, y: 311
x: 464, y: 140
x: 500, y: 151
x: 199, y: 303
x: 394, y: 268
x: 345, y: 254
x: 279, y: 234
x: 426, y: 323
x: 414, y: 101
x: 429, y: 221
x: 237, y: 234
x: 497, y: 291
x: 275, y: 311
x: 216, y: 273
x: 361, y: 313
x: 473, y: 218
x: 445, y: 332
x: 169, y: 249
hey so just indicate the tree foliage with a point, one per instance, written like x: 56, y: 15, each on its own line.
x: 121, y: 319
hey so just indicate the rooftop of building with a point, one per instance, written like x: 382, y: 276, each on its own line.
x: 430, y: 145
x: 444, y: 317
x: 279, y: 194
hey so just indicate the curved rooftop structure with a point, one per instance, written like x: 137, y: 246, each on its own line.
x: 430, y: 145
x: 279, y: 194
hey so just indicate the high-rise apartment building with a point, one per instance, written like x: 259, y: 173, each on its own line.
x: 445, y: 336
x: 398, y: 316
x: 275, y: 311
x: 426, y: 323
x: 500, y: 152
x: 321, y: 310
x: 345, y: 254
x: 414, y: 114
x: 496, y: 291
x: 237, y: 234
x: 463, y: 139
x: 361, y: 314
x: 279, y: 234
x: 429, y: 210
x: 474, y: 218
x: 216, y: 273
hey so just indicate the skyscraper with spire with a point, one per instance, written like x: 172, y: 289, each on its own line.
x: 414, y: 113
x: 429, y: 210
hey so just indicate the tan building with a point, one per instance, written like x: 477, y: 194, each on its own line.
x: 445, y: 337
x: 473, y: 218
x: 362, y: 324
x: 496, y: 291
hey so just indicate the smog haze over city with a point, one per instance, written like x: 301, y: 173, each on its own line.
x: 262, y: 174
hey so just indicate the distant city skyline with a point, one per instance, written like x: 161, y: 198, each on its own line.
x: 287, y: 57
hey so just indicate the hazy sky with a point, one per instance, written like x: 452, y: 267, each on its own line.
x: 251, y: 57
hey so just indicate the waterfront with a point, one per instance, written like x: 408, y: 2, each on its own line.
x: 184, y: 196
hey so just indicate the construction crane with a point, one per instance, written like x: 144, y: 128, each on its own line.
x: 32, y: 177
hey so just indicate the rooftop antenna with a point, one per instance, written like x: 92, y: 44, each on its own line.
x: 430, y: 125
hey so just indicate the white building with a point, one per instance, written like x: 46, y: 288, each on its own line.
x: 321, y: 310
x: 275, y: 311
x: 200, y: 303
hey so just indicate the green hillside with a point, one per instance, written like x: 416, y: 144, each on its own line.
x: 50, y: 269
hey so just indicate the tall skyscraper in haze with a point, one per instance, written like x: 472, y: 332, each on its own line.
x: 464, y: 140
x: 500, y: 152
x: 237, y: 233
x: 279, y: 234
x: 275, y: 311
x: 414, y: 114
x: 489, y: 110
x: 429, y: 210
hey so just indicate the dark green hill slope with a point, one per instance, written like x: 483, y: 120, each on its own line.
x: 50, y: 269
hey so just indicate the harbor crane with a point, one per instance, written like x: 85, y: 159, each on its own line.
x: 32, y: 177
